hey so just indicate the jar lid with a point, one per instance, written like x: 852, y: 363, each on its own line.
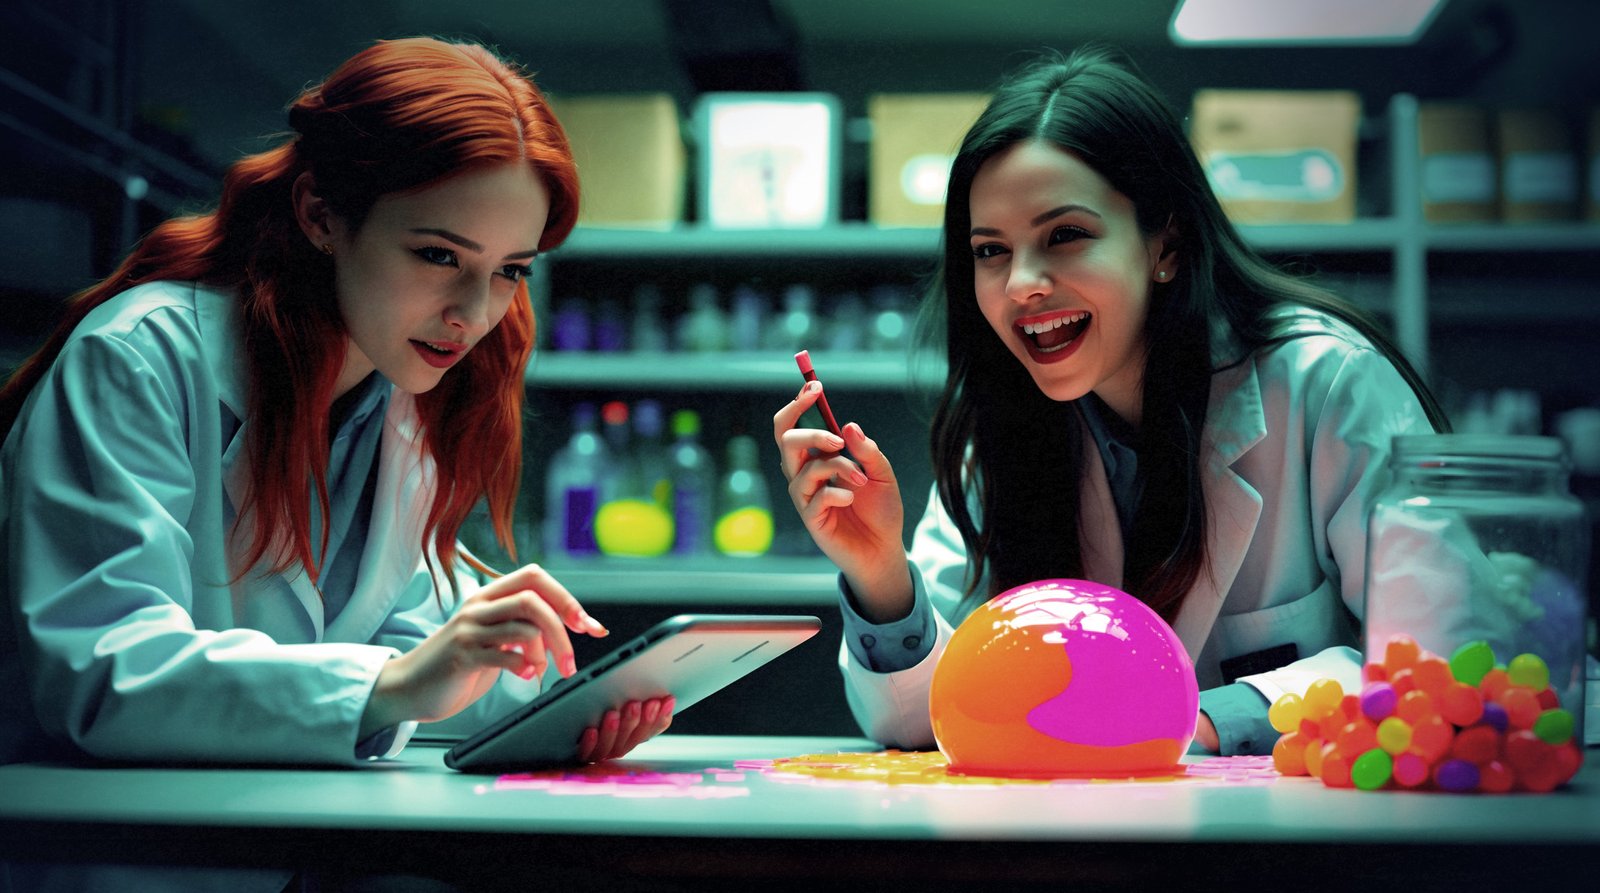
x: 1444, y: 447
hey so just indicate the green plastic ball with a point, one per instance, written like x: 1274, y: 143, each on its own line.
x: 1471, y: 662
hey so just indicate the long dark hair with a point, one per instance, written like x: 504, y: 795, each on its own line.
x: 1096, y: 106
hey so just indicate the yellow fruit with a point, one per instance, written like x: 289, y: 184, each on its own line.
x: 746, y: 531
x: 633, y: 528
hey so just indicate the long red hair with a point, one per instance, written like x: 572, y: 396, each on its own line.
x: 399, y: 116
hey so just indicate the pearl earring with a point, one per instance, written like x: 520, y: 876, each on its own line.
x: 1162, y: 275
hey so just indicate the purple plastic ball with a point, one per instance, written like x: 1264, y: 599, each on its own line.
x: 1378, y: 700
x: 1457, y: 776
x: 1494, y: 715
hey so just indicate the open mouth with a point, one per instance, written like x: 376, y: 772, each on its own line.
x: 441, y: 355
x: 1050, y: 335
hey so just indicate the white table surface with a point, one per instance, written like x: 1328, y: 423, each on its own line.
x: 45, y: 808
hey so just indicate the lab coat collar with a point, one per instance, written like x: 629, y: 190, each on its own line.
x: 218, y: 314
x: 399, y: 510
x: 1236, y: 421
x: 393, y: 549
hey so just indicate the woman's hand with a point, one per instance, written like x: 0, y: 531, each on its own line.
x: 625, y: 728
x: 518, y: 622
x: 1206, y: 733
x: 852, y: 511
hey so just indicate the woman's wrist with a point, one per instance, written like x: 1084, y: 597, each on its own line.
x: 885, y: 595
x: 383, y: 708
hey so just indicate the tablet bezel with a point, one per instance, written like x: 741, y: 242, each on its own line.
x: 518, y: 740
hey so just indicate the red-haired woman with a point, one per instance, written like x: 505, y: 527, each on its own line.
x: 233, y: 478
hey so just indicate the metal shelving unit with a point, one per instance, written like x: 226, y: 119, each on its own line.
x: 1403, y: 235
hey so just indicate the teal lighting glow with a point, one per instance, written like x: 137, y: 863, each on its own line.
x: 1300, y: 22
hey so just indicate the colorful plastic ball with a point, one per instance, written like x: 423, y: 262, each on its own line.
x: 1410, y: 770
x: 1495, y: 777
x: 1554, y: 726
x: 1477, y: 745
x: 1415, y: 706
x: 1378, y: 700
x: 1456, y: 776
x: 1357, y: 737
x: 1394, y: 735
x: 1431, y: 737
x: 1471, y: 661
x: 1432, y: 675
x: 1522, y: 707
x: 1400, y: 653
x: 1064, y: 678
x: 1289, y: 754
x: 1322, y: 698
x: 1461, y: 704
x: 1494, y: 716
x: 1336, y: 768
x: 1371, y: 770
x: 1529, y: 671
x: 1494, y: 684
x: 1286, y: 712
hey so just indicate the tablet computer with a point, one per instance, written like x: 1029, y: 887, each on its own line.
x: 689, y: 657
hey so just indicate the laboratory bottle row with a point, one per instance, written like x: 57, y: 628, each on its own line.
x: 632, y: 483
x: 744, y: 317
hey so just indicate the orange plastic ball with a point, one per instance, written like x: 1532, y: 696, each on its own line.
x: 1064, y: 678
x: 1289, y: 754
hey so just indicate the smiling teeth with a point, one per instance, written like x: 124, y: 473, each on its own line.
x: 1058, y: 322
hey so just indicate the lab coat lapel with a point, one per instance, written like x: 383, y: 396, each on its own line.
x: 400, y: 504
x: 1235, y: 422
x: 218, y: 321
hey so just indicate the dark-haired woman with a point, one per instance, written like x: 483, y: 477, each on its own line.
x: 1134, y: 397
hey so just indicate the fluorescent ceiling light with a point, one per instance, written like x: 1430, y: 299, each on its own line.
x: 1241, y: 22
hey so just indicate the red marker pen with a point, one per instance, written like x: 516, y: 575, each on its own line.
x: 803, y: 360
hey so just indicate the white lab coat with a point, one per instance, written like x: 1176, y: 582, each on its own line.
x: 121, y: 635
x: 1296, y: 444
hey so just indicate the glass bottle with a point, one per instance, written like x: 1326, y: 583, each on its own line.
x: 635, y: 520
x: 795, y: 328
x: 693, y: 486
x: 744, y: 510
x: 572, y: 487
x: 1477, y: 539
x: 648, y: 334
x: 704, y: 328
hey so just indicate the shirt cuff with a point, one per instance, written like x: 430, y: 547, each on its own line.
x: 889, y: 647
x: 386, y: 744
x: 1239, y: 713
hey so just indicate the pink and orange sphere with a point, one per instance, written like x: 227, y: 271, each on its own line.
x: 1064, y: 678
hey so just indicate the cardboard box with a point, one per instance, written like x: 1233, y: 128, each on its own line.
x: 1458, y: 164
x: 914, y: 139
x: 1279, y: 156
x: 769, y: 160
x: 630, y: 155
x: 1538, y: 166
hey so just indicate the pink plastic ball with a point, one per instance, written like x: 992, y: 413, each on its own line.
x: 1064, y: 678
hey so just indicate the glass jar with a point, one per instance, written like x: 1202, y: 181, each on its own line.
x: 1478, y: 539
